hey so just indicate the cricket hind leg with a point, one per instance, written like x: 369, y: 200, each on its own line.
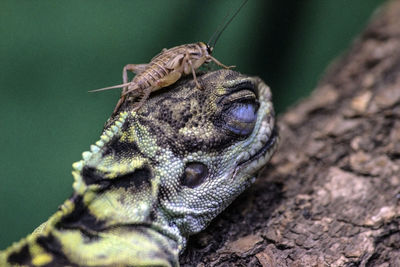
x: 167, y: 80
x: 119, y: 103
x: 135, y: 68
x: 135, y: 93
x: 144, y: 97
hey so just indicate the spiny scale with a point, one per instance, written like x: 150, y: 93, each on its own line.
x: 104, y: 138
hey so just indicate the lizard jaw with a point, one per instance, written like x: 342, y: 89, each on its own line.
x: 268, y: 146
x: 253, y: 162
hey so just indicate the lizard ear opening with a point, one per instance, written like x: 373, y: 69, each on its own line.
x: 194, y: 174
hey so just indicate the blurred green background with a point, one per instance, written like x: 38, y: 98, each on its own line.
x: 52, y: 52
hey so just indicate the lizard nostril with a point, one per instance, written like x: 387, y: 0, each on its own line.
x: 195, y: 173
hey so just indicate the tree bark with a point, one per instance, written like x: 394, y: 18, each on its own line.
x: 331, y: 194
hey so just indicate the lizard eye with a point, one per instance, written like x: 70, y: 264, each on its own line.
x: 241, y: 117
x: 194, y: 174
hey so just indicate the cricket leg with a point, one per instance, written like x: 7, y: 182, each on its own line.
x: 145, y: 96
x: 135, y: 68
x: 123, y: 97
x: 138, y: 68
x: 194, y: 74
x: 220, y: 64
x: 188, y: 68
x: 167, y: 80
x: 130, y: 90
x: 119, y: 103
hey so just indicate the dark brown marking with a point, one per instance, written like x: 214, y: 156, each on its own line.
x: 54, y: 247
x: 91, y: 176
x: 136, y: 179
x: 80, y: 218
x: 132, y: 179
x: 21, y: 257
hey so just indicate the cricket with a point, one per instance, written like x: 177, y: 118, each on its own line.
x: 168, y: 67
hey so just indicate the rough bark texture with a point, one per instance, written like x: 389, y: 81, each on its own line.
x: 331, y: 195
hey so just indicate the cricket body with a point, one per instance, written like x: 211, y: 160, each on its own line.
x: 168, y: 67
x: 165, y: 69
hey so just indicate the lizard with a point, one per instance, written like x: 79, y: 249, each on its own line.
x: 158, y: 175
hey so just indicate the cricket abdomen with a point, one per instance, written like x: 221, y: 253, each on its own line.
x: 155, y: 71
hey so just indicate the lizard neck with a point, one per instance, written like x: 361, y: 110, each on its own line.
x: 112, y: 218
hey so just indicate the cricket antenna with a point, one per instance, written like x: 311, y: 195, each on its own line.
x: 214, y: 38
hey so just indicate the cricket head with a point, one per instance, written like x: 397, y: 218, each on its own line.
x: 182, y: 158
x: 208, y: 48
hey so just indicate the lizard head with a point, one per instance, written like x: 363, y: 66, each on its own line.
x: 182, y: 158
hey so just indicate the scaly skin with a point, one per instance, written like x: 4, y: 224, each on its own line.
x: 157, y: 176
